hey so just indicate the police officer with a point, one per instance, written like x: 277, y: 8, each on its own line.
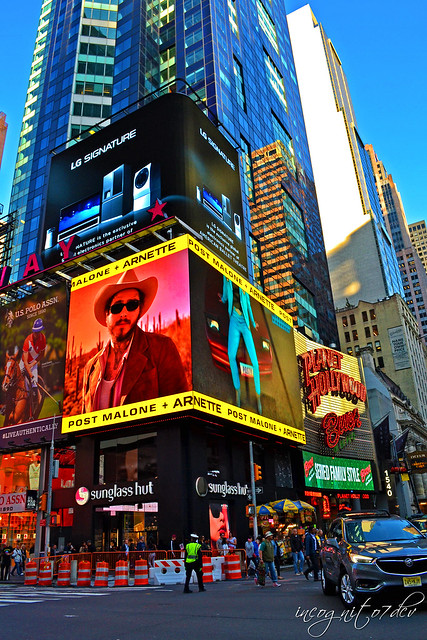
x: 193, y: 562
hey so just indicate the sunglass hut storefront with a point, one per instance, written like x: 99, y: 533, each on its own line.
x: 339, y: 457
x: 180, y: 461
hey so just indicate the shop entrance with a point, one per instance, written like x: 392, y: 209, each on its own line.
x: 113, y: 525
x: 18, y: 527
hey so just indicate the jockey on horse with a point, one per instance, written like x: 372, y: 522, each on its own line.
x: 32, y: 351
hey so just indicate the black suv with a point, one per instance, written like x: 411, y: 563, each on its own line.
x: 367, y: 553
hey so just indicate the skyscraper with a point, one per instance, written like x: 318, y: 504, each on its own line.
x: 418, y: 235
x: 92, y: 60
x: 412, y: 271
x: 360, y: 254
x: 3, y: 131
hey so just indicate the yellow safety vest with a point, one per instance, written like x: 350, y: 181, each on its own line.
x: 192, y: 549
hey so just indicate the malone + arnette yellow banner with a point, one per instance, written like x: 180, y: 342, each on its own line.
x: 180, y: 403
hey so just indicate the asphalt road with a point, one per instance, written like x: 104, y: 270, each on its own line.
x: 230, y: 610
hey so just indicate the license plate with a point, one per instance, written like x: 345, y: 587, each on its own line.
x: 246, y: 370
x: 414, y: 581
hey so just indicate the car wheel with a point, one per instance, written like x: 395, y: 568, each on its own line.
x: 345, y: 589
x: 329, y: 588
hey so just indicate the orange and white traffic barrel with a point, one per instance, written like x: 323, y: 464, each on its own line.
x: 232, y: 567
x: 141, y: 573
x: 45, y: 574
x: 207, y: 569
x: 84, y: 574
x: 30, y: 573
x: 122, y: 573
x: 64, y: 575
x: 101, y: 575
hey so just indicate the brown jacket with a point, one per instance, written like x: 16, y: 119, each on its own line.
x: 153, y: 369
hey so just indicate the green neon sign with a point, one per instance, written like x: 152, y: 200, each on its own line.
x: 323, y: 472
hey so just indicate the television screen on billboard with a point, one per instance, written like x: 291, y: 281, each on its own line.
x: 153, y: 334
x: 33, y: 338
x: 165, y: 160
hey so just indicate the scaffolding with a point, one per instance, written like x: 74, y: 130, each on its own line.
x: 7, y: 228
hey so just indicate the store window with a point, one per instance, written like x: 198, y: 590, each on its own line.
x: 128, y: 459
x: 19, y: 472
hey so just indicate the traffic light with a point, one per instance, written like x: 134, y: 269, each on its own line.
x: 43, y: 502
x: 257, y: 472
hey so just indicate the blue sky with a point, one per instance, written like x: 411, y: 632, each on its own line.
x: 381, y: 44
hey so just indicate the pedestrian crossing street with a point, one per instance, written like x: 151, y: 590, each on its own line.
x: 11, y: 595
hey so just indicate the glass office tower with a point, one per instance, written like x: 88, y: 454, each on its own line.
x: 94, y: 59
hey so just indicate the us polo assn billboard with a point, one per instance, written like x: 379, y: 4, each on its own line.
x: 174, y: 329
x: 32, y: 338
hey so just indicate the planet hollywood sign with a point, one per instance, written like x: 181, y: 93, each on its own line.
x: 322, y: 376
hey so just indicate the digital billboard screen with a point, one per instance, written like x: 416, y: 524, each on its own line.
x: 165, y: 160
x: 323, y: 472
x: 33, y: 338
x: 152, y: 335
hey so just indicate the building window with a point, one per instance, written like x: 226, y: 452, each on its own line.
x: 356, y: 349
x: 168, y: 64
x: 377, y: 345
x: 267, y: 25
x: 381, y: 362
x: 127, y: 459
x: 344, y: 321
x: 372, y: 314
x: 352, y: 319
x: 355, y: 334
x: 280, y: 133
x: 232, y: 16
x: 374, y: 330
x: 238, y: 79
x: 365, y: 316
x: 367, y: 332
x: 247, y: 168
x: 295, y: 224
x: 276, y: 80
x: 369, y: 344
x: 350, y: 351
x: 347, y: 336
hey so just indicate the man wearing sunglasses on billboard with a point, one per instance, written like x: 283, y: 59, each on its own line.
x: 135, y: 365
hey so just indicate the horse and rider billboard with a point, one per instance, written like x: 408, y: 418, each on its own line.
x: 33, y: 334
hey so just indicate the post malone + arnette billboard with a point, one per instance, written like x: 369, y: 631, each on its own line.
x: 174, y: 329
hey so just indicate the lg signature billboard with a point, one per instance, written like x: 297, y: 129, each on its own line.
x: 166, y: 159
x: 174, y: 329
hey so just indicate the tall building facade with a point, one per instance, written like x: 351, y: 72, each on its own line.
x: 418, y: 235
x: 390, y: 330
x: 3, y: 131
x: 412, y: 270
x: 360, y: 254
x: 92, y: 60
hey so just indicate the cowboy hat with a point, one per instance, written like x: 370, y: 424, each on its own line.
x: 128, y: 280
